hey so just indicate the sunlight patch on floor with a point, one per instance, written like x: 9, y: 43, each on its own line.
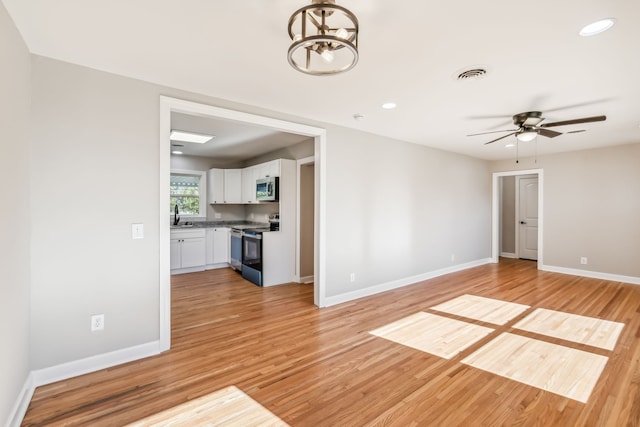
x: 556, y: 368
x: 225, y: 407
x: 562, y: 370
x: 437, y: 335
x: 484, y: 309
x: 572, y: 327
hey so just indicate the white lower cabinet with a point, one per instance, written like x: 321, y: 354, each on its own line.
x: 188, y: 249
x: 217, y: 251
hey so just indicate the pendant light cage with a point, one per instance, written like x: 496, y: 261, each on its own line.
x: 324, y: 39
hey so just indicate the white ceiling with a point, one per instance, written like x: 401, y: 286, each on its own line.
x: 234, y: 141
x: 410, y: 52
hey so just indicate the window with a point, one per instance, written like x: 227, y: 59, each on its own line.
x: 187, y: 190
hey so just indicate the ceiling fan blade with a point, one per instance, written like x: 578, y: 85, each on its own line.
x: 577, y: 131
x: 495, y: 131
x: 549, y: 133
x: 489, y: 116
x: 575, y: 121
x: 502, y: 137
x: 580, y: 104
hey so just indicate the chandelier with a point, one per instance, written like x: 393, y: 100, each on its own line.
x: 325, y: 39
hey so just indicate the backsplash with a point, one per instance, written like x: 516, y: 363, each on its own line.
x: 257, y: 213
x: 260, y: 212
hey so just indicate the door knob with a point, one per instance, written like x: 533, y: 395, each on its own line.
x: 522, y: 222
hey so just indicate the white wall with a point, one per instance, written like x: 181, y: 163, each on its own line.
x: 94, y: 173
x: 396, y: 210
x: 591, y: 208
x: 298, y: 151
x: 393, y: 209
x: 14, y: 215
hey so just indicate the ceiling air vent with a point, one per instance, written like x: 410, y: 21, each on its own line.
x: 472, y: 73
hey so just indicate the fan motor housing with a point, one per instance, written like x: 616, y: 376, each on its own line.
x: 520, y: 118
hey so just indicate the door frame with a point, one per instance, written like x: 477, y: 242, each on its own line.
x: 169, y: 105
x: 495, y: 212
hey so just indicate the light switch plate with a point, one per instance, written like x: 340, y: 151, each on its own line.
x: 137, y: 231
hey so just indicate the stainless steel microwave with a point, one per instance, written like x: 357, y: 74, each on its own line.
x: 267, y: 189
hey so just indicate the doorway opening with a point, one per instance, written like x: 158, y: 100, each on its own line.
x: 172, y: 105
x: 305, y: 249
x: 517, y: 215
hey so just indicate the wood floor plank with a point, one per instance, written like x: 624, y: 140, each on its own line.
x: 321, y: 367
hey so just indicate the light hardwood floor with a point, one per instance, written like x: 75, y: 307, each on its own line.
x: 322, y: 367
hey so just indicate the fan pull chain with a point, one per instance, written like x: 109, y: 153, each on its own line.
x: 517, y: 151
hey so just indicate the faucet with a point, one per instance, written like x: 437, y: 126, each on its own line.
x: 176, y: 217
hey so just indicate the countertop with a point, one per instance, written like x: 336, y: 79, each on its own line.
x: 217, y: 224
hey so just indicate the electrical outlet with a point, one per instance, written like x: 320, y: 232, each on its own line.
x: 353, y: 277
x: 583, y: 260
x: 453, y: 257
x: 218, y: 215
x: 97, y: 322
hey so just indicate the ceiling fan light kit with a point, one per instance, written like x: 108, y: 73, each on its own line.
x: 324, y: 39
x: 527, y: 135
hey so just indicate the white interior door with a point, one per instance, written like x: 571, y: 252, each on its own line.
x: 528, y: 218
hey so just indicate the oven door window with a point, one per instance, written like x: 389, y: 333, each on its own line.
x: 251, y: 253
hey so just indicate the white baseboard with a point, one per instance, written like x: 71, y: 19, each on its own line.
x: 22, y: 403
x: 591, y: 274
x: 94, y: 363
x: 507, y: 255
x: 383, y: 287
x: 306, y: 279
x: 73, y: 369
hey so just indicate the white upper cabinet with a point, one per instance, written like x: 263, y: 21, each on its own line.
x: 238, y: 185
x: 249, y: 184
x: 271, y: 168
x: 233, y: 185
x: 215, y: 186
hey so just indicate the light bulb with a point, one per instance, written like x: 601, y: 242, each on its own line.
x: 528, y: 135
x: 327, y: 55
x: 342, y: 33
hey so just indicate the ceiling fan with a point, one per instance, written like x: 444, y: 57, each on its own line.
x: 529, y: 126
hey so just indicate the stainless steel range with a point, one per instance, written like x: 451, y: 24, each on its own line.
x: 252, y: 254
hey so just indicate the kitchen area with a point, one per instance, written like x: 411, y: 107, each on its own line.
x: 239, y: 214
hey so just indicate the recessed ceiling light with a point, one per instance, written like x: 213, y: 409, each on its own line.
x: 510, y: 145
x: 389, y: 105
x: 176, y: 152
x: 597, y: 27
x: 197, y: 138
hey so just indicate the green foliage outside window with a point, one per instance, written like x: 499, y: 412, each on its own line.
x: 185, y: 192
